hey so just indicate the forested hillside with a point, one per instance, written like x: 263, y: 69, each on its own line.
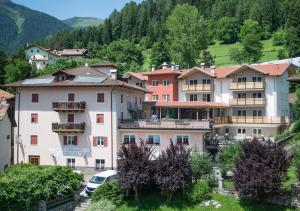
x: 20, y: 25
x: 155, y: 30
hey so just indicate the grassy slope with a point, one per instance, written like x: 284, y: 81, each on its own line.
x: 80, y: 22
x: 155, y: 201
x: 221, y: 51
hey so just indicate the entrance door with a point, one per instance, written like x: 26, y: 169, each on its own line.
x: 34, y: 159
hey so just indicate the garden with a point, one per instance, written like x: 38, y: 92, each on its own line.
x: 181, y: 179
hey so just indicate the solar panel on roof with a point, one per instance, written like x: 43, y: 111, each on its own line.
x: 83, y: 79
x: 38, y: 81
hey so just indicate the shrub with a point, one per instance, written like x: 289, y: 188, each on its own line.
x: 284, y: 134
x: 296, y: 126
x: 109, y: 191
x: 298, y: 172
x: 23, y: 185
x: 260, y: 170
x: 279, y: 37
x: 228, y: 155
x: 198, y: 191
x: 103, y: 205
x: 296, y: 156
x: 201, y: 165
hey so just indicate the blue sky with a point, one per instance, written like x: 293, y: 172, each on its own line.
x: 63, y: 9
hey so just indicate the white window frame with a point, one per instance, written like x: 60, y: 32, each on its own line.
x: 205, y: 97
x: 70, y: 140
x: 193, y: 97
x: 99, y: 141
x: 154, y: 97
x: 101, y: 164
x: 166, y: 97
x: 182, y: 139
x: 242, y: 95
x: 257, y: 112
x: 256, y: 133
x: 154, y: 142
x: 243, y: 131
x: 206, y: 81
x: 130, y: 138
x: 166, y: 82
x: 242, y: 79
x: 154, y: 83
x: 193, y: 82
x: 72, y: 163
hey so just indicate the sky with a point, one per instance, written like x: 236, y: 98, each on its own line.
x: 63, y: 9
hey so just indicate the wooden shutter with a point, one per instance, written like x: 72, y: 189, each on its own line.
x: 105, y: 141
x: 70, y: 118
x: 100, y: 97
x: 35, y: 98
x: 34, y: 140
x: 75, y: 140
x: 100, y: 118
x: 34, y: 118
x: 71, y: 97
x: 94, y: 141
x: 65, y: 140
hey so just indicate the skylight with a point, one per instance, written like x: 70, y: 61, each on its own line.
x: 84, y: 79
x: 38, y: 81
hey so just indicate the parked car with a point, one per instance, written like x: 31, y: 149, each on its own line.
x: 99, y: 179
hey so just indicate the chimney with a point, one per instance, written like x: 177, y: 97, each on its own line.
x: 86, y: 64
x: 173, y: 66
x: 153, y: 68
x: 164, y: 65
x: 202, y: 65
x: 177, y: 66
x: 113, y: 73
x: 213, y: 68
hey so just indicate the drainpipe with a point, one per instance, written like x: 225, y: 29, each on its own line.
x: 111, y: 129
x: 18, y: 131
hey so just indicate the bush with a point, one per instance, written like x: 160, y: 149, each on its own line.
x: 23, y: 185
x: 279, y: 37
x: 228, y: 155
x: 296, y: 156
x: 109, y: 191
x: 201, y: 165
x: 296, y: 126
x: 284, y: 134
x: 103, y: 205
x: 198, y: 191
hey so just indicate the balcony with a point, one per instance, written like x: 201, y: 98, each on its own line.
x: 165, y: 124
x: 198, y: 87
x: 251, y: 120
x: 68, y: 127
x: 247, y: 86
x: 247, y: 102
x: 68, y: 106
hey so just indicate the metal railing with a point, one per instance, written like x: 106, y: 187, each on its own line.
x: 68, y: 127
x: 198, y: 87
x: 251, y: 120
x: 68, y: 106
x: 247, y: 101
x: 247, y: 85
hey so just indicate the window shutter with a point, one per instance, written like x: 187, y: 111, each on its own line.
x: 105, y: 141
x: 94, y: 141
x: 100, y: 97
x: 34, y: 140
x: 75, y: 140
x: 71, y: 118
x: 71, y: 97
x: 65, y: 140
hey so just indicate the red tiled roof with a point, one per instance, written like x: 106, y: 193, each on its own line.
x: 272, y: 69
x: 6, y: 95
x: 188, y: 104
x: 163, y: 71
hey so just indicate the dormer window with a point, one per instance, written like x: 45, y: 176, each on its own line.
x: 61, y: 78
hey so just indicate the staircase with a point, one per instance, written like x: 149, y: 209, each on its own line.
x: 83, y: 204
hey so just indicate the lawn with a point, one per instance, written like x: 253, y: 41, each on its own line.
x: 154, y: 201
x: 221, y: 51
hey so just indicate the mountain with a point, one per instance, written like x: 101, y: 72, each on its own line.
x: 81, y: 22
x: 20, y: 25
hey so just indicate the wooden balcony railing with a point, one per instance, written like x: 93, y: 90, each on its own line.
x: 164, y: 124
x: 198, y: 87
x: 247, y: 86
x: 68, y: 127
x: 251, y: 120
x: 247, y: 101
x: 68, y: 106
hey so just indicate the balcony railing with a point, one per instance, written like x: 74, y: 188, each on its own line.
x: 68, y: 127
x: 164, y: 124
x: 68, y: 106
x: 251, y: 120
x: 198, y: 87
x: 247, y: 101
x: 247, y: 86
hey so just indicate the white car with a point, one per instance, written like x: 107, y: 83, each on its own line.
x: 99, y: 179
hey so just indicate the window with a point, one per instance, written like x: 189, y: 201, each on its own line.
x: 35, y: 98
x: 241, y: 131
x: 100, y: 164
x: 140, y: 100
x: 241, y: 95
x: 257, y: 95
x: 34, y: 140
x: 135, y: 101
x: 34, y: 159
x: 193, y: 97
x: 206, y: 81
x: 100, y: 118
x: 241, y: 112
x: 31, y: 51
x: 38, y: 50
x: 257, y: 113
x: 166, y: 97
x: 34, y: 118
x: 71, y: 97
x: 256, y: 79
x: 100, y: 141
x: 153, y: 139
x: 257, y: 132
x: 127, y: 139
x: 140, y: 84
x: 100, y: 97
x: 154, y: 83
x: 71, y: 162
x: 154, y: 97
x: 122, y: 98
x: 71, y: 118
x: 166, y: 82
x: 242, y: 80
x: 206, y: 97
x: 70, y: 140
x: 181, y: 139
x: 193, y: 82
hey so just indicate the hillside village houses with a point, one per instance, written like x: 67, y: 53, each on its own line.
x: 80, y: 117
x: 6, y: 129
x: 41, y: 57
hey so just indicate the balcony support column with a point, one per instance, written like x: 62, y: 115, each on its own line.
x: 197, y: 114
x: 159, y: 113
x: 178, y: 113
